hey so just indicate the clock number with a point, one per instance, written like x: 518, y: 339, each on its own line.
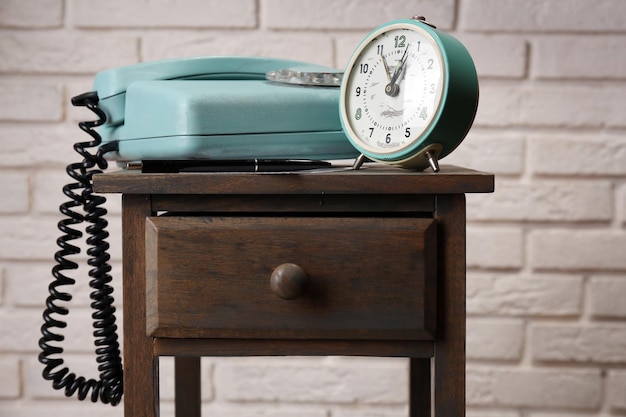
x: 358, y: 91
x: 407, y: 132
x: 424, y: 113
x: 358, y: 114
x: 399, y: 41
x: 363, y: 68
x: 430, y: 63
x: 379, y: 49
x: 388, y: 138
x: 432, y: 88
x: 371, y: 131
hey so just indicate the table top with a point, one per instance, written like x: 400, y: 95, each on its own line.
x: 371, y: 178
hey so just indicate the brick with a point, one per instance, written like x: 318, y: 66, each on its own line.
x: 616, y: 386
x: 300, y: 381
x: 550, y: 105
x: 166, y: 378
x: 341, y: 413
x: 537, y: 388
x: 597, y: 57
x: 542, y: 15
x: 601, y: 154
x: 22, y: 100
x: 495, y: 339
x: 314, y: 48
x: 10, y: 383
x: 607, y: 297
x: 571, y: 414
x: 23, y: 337
x: 15, y: 185
x: 554, y: 201
x: 62, y: 407
x: 23, y: 144
x: 602, y: 343
x: 510, y: 50
x: 621, y: 195
x: 27, y: 284
x: 164, y: 14
x: 26, y: 238
x: 258, y: 410
x: 66, y: 52
x: 524, y: 295
x: 492, y: 413
x: 491, y: 247
x: 500, y: 153
x: 577, y: 250
x: 2, y: 286
x: 32, y: 14
x: 345, y: 45
x: 479, y: 386
x: 365, y: 14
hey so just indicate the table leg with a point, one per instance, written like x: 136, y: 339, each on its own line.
x: 419, y: 387
x: 449, y: 361
x: 187, y: 381
x: 141, y: 374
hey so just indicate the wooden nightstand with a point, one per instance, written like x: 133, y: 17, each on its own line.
x: 368, y: 262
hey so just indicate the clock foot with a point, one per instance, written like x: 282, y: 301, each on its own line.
x: 358, y: 161
x: 432, y: 160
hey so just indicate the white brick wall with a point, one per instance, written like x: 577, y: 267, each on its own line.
x: 546, y: 252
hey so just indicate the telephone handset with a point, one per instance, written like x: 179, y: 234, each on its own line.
x: 222, y: 108
x: 112, y: 84
x: 212, y: 108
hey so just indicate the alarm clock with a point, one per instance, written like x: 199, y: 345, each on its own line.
x: 409, y: 95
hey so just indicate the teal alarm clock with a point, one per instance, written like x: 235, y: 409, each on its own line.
x: 409, y: 94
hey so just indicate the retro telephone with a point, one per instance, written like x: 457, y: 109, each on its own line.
x: 211, y: 109
x: 408, y: 98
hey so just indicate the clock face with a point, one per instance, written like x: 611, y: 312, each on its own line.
x: 393, y: 90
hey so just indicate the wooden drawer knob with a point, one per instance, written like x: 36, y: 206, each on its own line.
x: 288, y: 281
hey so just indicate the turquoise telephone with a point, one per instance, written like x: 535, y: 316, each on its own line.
x: 217, y: 109
x: 220, y: 108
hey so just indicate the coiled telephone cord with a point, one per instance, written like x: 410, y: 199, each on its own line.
x: 84, y: 206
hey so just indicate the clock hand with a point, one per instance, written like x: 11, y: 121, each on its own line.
x: 392, y: 89
x: 386, y: 67
x: 400, y: 66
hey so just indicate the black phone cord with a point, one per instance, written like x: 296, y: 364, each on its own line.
x: 84, y: 206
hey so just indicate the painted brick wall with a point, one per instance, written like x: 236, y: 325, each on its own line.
x: 546, y: 252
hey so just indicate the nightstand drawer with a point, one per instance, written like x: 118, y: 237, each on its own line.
x: 345, y: 277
